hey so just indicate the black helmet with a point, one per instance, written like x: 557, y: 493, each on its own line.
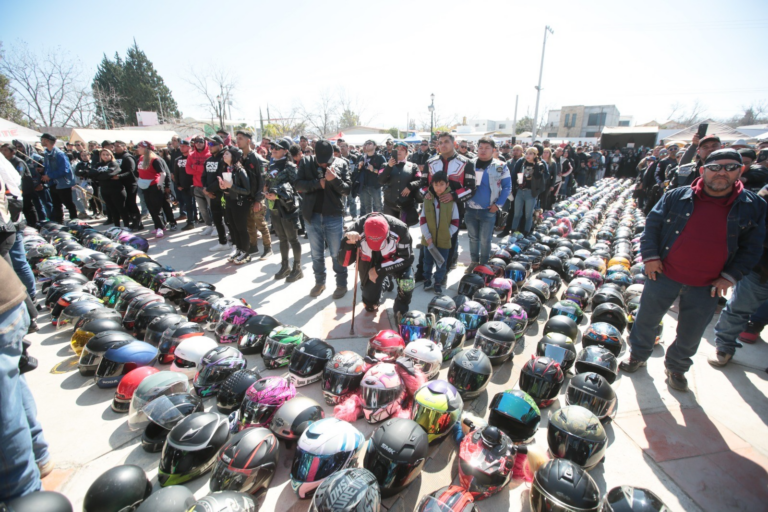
x: 164, y: 412
x: 121, y: 305
x: 176, y: 498
x: 599, y: 360
x: 552, y: 278
x: 97, y: 346
x: 216, y: 365
x: 247, y: 462
x: 348, y: 490
x: 574, y: 433
x: 610, y: 313
x: 232, y: 390
x: 308, y: 361
x: 538, y: 288
x: 489, y: 298
x: 87, y: 330
x: 632, y: 499
x: 294, y: 416
x: 572, y: 266
x: 395, y: 454
x: 149, y: 313
x: 226, y: 501
x: 191, y: 447
x: 558, y: 347
x: 40, y: 501
x: 75, y: 311
x: 608, y: 294
x: 553, y: 263
x: 136, y: 305
x: 120, y: 488
x: 563, y: 325
x: 255, y: 332
x: 605, y: 335
x: 517, y: 272
x: 453, y: 498
x: 472, y: 314
x: 441, y: 305
x: 515, y: 413
x: 541, y: 378
x: 196, y: 306
x: 561, y: 485
x: 497, y: 340
x: 567, y: 308
x: 469, y: 372
x: 158, y: 325
x: 450, y: 335
x: 459, y: 300
x: 486, y: 459
x: 469, y: 284
x: 530, y: 302
x: 593, y: 392
x: 173, y: 288
x: 199, y: 290
x: 174, y: 335
x: 578, y: 295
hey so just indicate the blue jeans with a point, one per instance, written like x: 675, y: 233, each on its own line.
x: 697, y: 307
x: 524, y: 202
x: 429, y: 262
x: 143, y: 203
x: 21, y: 265
x: 564, y: 187
x: 19, y: 474
x: 748, y: 295
x: 351, y: 203
x: 370, y: 200
x: 760, y: 316
x: 322, y: 230
x: 480, y: 225
x: 44, y: 203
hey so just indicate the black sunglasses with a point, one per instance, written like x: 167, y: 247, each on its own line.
x: 726, y: 167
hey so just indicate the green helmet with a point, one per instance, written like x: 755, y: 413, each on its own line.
x: 567, y: 308
x: 280, y: 344
x: 110, y: 285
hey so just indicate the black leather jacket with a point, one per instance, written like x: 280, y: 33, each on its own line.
x: 395, y: 179
x: 308, y: 186
x: 240, y: 191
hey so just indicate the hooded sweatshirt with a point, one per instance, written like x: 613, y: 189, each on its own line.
x: 196, y: 165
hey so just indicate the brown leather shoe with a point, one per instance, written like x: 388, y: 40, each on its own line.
x: 317, y: 290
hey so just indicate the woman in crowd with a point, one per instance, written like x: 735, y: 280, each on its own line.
x: 152, y: 177
x: 566, y: 171
x: 108, y: 174
x: 529, y: 181
x: 83, y: 170
x: 237, y: 191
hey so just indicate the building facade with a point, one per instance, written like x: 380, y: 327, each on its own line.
x: 581, y: 121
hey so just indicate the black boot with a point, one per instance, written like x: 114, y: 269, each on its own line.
x: 284, y: 270
x: 296, y: 273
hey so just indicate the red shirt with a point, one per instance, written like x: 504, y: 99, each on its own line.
x: 699, y: 253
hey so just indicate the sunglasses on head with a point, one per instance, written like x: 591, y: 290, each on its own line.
x: 726, y: 167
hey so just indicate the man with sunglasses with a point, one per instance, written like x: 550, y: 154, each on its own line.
x: 698, y: 242
x: 464, y: 149
x: 195, y: 168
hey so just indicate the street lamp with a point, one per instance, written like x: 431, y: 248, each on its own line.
x: 538, y: 87
x: 221, y: 115
x: 432, y: 117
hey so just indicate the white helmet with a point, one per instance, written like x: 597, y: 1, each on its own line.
x: 586, y: 284
x: 189, y: 353
x: 634, y: 290
x: 426, y: 356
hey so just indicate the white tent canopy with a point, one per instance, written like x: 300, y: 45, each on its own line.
x: 359, y: 139
x: 11, y: 131
x: 156, y: 137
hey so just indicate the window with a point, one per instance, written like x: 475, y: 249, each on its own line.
x: 596, y: 119
x: 567, y: 118
x: 552, y: 134
x: 573, y: 120
x: 502, y: 126
x: 623, y: 123
x: 591, y: 134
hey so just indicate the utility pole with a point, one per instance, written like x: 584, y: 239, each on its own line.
x: 514, y: 120
x: 162, y: 115
x: 538, y: 87
x: 261, y: 122
x: 432, y: 118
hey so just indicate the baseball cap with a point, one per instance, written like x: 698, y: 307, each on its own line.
x: 376, y: 230
x: 281, y: 144
x: 216, y: 140
x: 184, y: 142
x: 724, y: 154
x: 709, y: 138
x: 323, y: 151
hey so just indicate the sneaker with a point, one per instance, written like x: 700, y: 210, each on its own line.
x: 438, y: 289
x: 632, y: 365
x: 719, y: 359
x: 233, y: 254
x: 317, y: 290
x: 188, y: 226
x: 219, y: 248
x: 676, y: 380
x: 206, y: 231
x: 339, y: 292
x: 45, y: 469
x: 427, y: 284
x: 173, y: 227
x: 241, y: 258
x: 751, y: 333
x: 159, y: 233
x: 83, y: 216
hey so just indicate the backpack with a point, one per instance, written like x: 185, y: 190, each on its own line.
x: 255, y: 174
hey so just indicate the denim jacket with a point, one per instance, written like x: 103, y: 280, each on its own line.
x: 57, y: 168
x: 746, y: 230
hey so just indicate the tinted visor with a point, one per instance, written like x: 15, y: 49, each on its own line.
x: 79, y: 339
x: 109, y: 368
x: 413, y: 332
x: 212, y: 374
x: 391, y: 475
x: 384, y: 353
x: 517, y: 276
x: 440, y: 312
x: 88, y: 359
x: 254, y: 414
x: 466, y: 380
x: 493, y: 348
x: 340, y: 383
x: 540, y: 501
x: 375, y: 398
x: 252, y: 341
x: 433, y: 422
x: 538, y: 387
x: 226, y: 330
x: 276, y: 349
x: 600, y: 407
x: 308, y: 467
x: 576, y: 449
x: 432, y: 504
x: 197, y: 312
x: 305, y: 365
x: 183, y: 363
x: 471, y: 321
x: 153, y: 337
x: 174, y: 461
x: 164, y: 412
x: 227, y: 478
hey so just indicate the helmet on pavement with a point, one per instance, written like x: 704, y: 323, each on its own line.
x: 191, y: 447
x: 385, y: 346
x: 449, y: 334
x: 426, y: 355
x: 173, y: 336
x: 247, y: 462
x: 189, y: 353
x: 396, y: 453
x: 604, y: 335
x: 350, y: 490
x: 308, y: 361
x: 515, y: 413
x: 163, y: 413
x: 280, y: 344
x: 541, y: 378
x: 592, y: 392
x: 124, y: 392
x: 120, y: 488
x: 263, y: 399
x: 486, y: 459
x: 230, y: 326
x: 342, y: 376
x: 530, y: 302
x: 382, y: 391
x: 599, y: 360
x: 563, y: 325
x: 441, y: 306
x: 216, y: 365
x: 97, y: 346
x: 155, y: 329
x: 39, y: 501
x: 472, y: 314
x: 497, y: 340
x: 567, y: 308
x: 488, y: 297
x: 469, y: 284
x: 469, y: 372
x: 294, y: 416
x: 626, y: 498
x: 120, y: 360
x: 414, y: 325
x: 558, y: 347
x: 514, y: 316
x: 232, y: 390
x: 562, y: 485
x: 226, y: 501
x: 453, y: 498
x: 574, y: 433
x: 176, y: 498
x: 437, y: 407
x: 610, y: 313
x: 254, y: 333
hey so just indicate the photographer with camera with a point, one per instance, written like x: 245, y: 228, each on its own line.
x: 369, y: 165
x: 284, y: 210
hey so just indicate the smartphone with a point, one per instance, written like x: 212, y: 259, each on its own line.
x: 514, y: 139
x: 703, y: 130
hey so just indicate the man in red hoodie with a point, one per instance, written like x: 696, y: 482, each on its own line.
x: 195, y: 168
x: 698, y: 242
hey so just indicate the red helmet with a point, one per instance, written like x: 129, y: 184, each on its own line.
x: 128, y: 385
x: 486, y: 273
x: 386, y: 346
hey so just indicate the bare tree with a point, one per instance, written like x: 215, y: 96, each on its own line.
x: 351, y: 110
x: 440, y: 120
x: 288, y: 124
x: 322, y: 119
x: 217, y: 86
x: 687, y: 116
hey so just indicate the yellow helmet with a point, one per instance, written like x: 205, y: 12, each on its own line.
x: 624, y: 262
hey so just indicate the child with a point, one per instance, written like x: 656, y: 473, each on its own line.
x: 438, y: 222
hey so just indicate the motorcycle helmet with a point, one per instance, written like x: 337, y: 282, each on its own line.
x: 149, y: 313
x: 89, y: 329
x: 426, y: 355
x: 395, y: 454
x: 342, y: 376
x: 45, y: 501
x: 414, y: 325
x: 469, y: 284
x: 164, y: 413
x: 608, y: 295
x: 174, y: 335
x: 574, y: 433
x: 216, y: 365
x: 514, y: 316
x: 385, y: 346
x: 72, y: 313
x: 591, y: 275
x: 552, y: 279
x: 158, y: 325
x: 122, y: 302
x: 437, y: 407
x: 530, y: 302
x: 326, y: 446
x: 120, y: 290
x: 610, y: 313
x: 586, y: 284
x: 191, y: 447
x: 196, y: 306
x: 538, y: 288
x: 262, y: 399
x: 622, y: 280
x: 119, y: 360
x: 592, y: 392
x: 188, y: 354
x: 567, y: 308
x: 599, y: 360
x: 472, y: 314
x: 460, y: 300
x: 488, y: 297
x: 230, y: 327
x: 563, y: 325
x: 124, y: 392
x: 247, y: 462
x: 280, y: 344
x: 634, y: 291
x: 497, y: 265
x: 308, y: 361
x: 449, y: 334
x: 604, y: 335
x: 350, y: 490
x: 381, y: 392
x: 118, y: 489
x: 176, y: 498
x: 294, y: 416
x: 553, y: 263
x: 595, y: 263
x: 216, y: 308
x: 504, y: 287
x: 486, y: 459
x: 469, y: 372
x: 561, y: 485
x: 97, y: 346
x: 68, y: 299
x: 541, y: 378
x: 486, y: 273
x: 626, y: 498
x: 453, y: 498
x: 254, y: 333
x: 497, y: 340
x: 577, y: 295
x: 441, y: 306
x: 517, y: 272
x: 232, y: 390
x: 172, y: 288
x: 515, y: 413
x: 559, y: 348
x: 136, y: 305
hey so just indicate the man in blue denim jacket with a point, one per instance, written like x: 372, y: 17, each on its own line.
x: 698, y: 242
x: 59, y: 172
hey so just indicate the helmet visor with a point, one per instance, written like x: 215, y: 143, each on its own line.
x: 538, y: 387
x: 227, y: 332
x: 471, y: 321
x: 493, y: 348
x: 227, y: 478
x: 213, y: 374
x: 413, y: 332
x: 390, y: 475
x: 254, y: 414
x: 558, y: 354
x: 386, y: 354
x: 308, y: 467
x: 600, y: 407
x: 164, y: 412
x: 426, y: 367
x: 109, y: 368
x: 66, y: 319
x: 275, y: 349
x: 433, y: 422
x: 541, y: 501
x: 376, y: 398
x: 252, y: 341
x: 340, y: 384
x: 153, y: 336
x: 87, y: 358
x: 440, y: 312
x: 304, y: 365
x: 466, y: 380
x: 198, y: 312
x: 79, y: 339
x: 564, y: 445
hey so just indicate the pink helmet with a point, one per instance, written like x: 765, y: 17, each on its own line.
x: 229, y: 327
x: 503, y: 287
x: 566, y: 222
x: 381, y: 390
x: 263, y: 399
x: 592, y: 275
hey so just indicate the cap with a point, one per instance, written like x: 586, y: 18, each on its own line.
x: 709, y: 138
x: 400, y: 143
x: 216, y: 140
x: 748, y: 153
x: 323, y: 151
x: 370, y: 141
x: 724, y: 154
x: 376, y: 231
x: 106, y: 143
x: 762, y: 156
x: 48, y: 136
x: 146, y: 144
x: 281, y: 144
x: 302, y: 138
x: 184, y: 142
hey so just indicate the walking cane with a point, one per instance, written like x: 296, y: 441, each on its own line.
x: 354, y: 292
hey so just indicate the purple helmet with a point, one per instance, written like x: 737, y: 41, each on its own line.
x: 593, y: 275
x: 514, y: 316
x: 263, y: 399
x: 138, y: 242
x: 472, y: 314
x: 229, y: 328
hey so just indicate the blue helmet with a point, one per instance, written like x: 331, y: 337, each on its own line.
x: 118, y: 361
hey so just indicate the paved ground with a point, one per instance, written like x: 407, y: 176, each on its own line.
x: 702, y: 450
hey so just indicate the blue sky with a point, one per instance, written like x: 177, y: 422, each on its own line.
x: 390, y: 56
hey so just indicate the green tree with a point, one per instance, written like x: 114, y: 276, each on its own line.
x: 524, y: 125
x: 348, y: 118
x: 8, y: 108
x: 394, y: 132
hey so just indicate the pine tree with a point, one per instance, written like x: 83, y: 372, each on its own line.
x: 8, y: 108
